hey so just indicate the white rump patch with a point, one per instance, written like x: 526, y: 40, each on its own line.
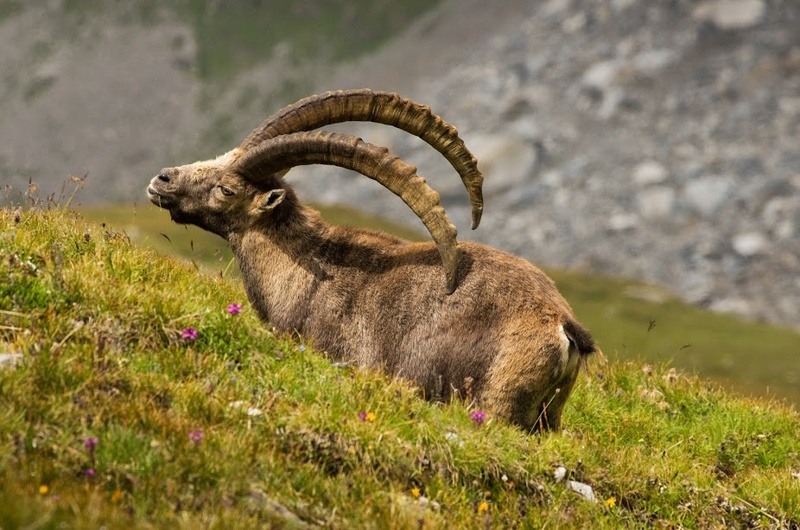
x: 564, y: 347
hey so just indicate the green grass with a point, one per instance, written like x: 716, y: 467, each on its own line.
x: 631, y: 321
x: 98, y: 322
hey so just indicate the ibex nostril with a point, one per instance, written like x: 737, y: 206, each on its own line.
x: 163, y: 177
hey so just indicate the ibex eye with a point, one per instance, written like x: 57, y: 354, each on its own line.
x: 226, y: 191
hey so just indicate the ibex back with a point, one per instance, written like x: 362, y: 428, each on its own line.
x: 457, y: 319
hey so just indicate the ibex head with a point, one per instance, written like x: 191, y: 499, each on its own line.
x: 205, y: 194
x: 245, y: 186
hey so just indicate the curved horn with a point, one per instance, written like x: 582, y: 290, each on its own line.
x: 379, y: 107
x: 289, y: 150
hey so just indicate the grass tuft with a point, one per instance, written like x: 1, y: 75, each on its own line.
x: 116, y: 416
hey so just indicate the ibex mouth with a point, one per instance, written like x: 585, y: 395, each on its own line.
x: 157, y: 198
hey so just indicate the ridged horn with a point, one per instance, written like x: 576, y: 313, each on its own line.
x: 288, y: 150
x: 379, y: 107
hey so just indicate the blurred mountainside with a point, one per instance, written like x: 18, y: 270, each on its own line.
x: 117, y: 90
x: 658, y: 140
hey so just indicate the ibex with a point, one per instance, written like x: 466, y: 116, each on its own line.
x: 486, y: 325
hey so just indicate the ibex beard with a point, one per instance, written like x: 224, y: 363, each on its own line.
x: 462, y: 320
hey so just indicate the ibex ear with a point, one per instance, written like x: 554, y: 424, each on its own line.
x: 269, y: 200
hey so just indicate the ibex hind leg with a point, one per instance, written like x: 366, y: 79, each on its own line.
x: 549, y: 409
x: 530, y: 389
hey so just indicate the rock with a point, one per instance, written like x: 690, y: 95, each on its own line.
x: 789, y: 105
x: 749, y: 244
x: 574, y: 23
x: 526, y: 129
x: 8, y: 360
x: 612, y: 99
x: 555, y: 7
x: 784, y: 230
x: 584, y: 490
x: 505, y: 161
x: 652, y: 61
x: 619, y: 222
x: 649, y: 172
x: 707, y: 194
x: 551, y: 177
x: 730, y: 15
x: 601, y: 76
x: 781, y: 215
x: 620, y: 5
x: 657, y: 202
x: 731, y: 305
x: 779, y: 209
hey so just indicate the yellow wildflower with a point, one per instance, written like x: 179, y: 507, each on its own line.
x: 611, y: 502
x: 415, y: 492
x: 371, y: 416
x: 483, y: 507
x: 117, y: 495
x: 43, y: 489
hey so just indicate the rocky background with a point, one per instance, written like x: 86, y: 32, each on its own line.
x: 656, y: 140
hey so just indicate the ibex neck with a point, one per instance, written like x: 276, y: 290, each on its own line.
x: 279, y: 268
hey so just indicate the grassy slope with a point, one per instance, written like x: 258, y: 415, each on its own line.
x: 752, y: 358
x: 99, y: 323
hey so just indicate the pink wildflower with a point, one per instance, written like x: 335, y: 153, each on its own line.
x: 90, y: 444
x: 189, y: 334
x: 478, y: 417
x: 234, y: 309
x: 196, y: 436
x: 89, y: 472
